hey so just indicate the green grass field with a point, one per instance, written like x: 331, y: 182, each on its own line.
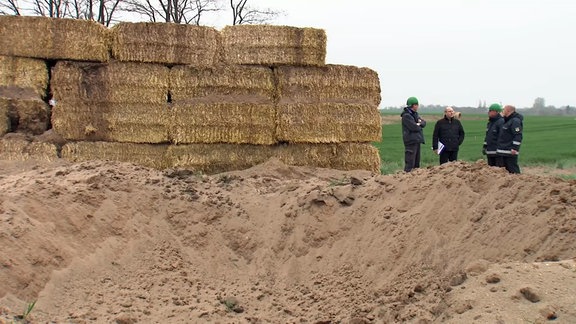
x: 548, y: 141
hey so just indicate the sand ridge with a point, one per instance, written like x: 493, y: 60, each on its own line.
x: 113, y: 242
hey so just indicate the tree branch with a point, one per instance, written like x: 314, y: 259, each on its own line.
x: 177, y: 11
x: 9, y: 7
x: 244, y: 14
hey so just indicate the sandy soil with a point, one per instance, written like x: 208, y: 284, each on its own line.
x: 108, y: 242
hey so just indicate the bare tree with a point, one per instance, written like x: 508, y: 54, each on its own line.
x: 177, y: 11
x: 9, y: 7
x: 245, y: 14
x: 51, y: 8
x: 106, y: 11
x: 102, y: 11
x: 79, y: 9
x: 202, y: 7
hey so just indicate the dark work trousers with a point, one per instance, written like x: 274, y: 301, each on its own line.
x: 495, y: 160
x: 446, y: 156
x: 411, y: 156
x: 511, y: 163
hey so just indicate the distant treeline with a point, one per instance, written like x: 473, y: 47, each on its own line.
x: 546, y: 111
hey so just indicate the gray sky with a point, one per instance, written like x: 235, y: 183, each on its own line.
x: 450, y: 52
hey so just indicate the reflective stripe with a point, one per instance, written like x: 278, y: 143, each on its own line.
x: 490, y: 152
x: 509, y: 152
x: 516, y: 143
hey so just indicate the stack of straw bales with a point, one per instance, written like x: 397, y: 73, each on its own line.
x: 329, y: 104
x: 224, y: 104
x: 224, y: 117
x: 170, y: 95
x: 115, y: 102
x: 23, y: 85
x: 330, y: 115
x: 327, y: 114
x: 25, y: 44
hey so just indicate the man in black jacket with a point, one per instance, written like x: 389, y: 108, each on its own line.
x: 510, y: 139
x: 412, y: 134
x: 450, y: 133
x: 495, y: 122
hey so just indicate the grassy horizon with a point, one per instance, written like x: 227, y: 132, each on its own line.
x: 547, y: 141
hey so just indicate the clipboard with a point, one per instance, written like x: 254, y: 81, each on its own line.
x: 440, y: 147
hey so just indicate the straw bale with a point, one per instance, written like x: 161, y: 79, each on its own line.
x: 274, y: 45
x: 328, y: 123
x: 116, y: 82
x: 148, y: 155
x: 42, y: 151
x: 336, y: 83
x: 216, y: 158
x: 238, y: 123
x: 223, y: 83
x: 166, y: 43
x: 342, y: 156
x: 118, y: 122
x: 26, y: 115
x: 24, y: 72
x: 53, y: 38
x: 4, y: 120
x: 20, y: 149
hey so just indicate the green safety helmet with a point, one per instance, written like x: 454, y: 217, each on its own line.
x: 411, y: 101
x: 495, y: 107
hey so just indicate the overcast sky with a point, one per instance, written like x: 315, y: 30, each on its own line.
x: 450, y: 52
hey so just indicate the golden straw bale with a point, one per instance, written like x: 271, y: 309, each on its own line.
x: 118, y: 122
x: 336, y: 83
x: 13, y: 148
x: 238, y: 123
x: 166, y: 43
x: 341, y: 156
x: 328, y: 123
x: 216, y: 158
x: 116, y: 82
x: 148, y: 155
x: 24, y: 72
x: 4, y: 120
x: 42, y: 151
x: 18, y: 148
x: 223, y: 83
x: 274, y: 45
x: 29, y: 115
x: 53, y: 38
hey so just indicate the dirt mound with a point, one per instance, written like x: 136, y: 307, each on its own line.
x: 115, y: 242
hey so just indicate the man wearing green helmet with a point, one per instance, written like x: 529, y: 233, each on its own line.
x: 495, y: 122
x: 412, y: 134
